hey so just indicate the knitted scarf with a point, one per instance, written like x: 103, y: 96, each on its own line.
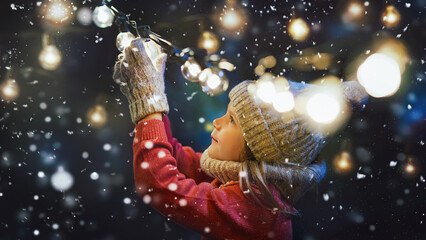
x: 224, y: 171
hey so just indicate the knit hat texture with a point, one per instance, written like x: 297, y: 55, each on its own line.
x: 282, y: 138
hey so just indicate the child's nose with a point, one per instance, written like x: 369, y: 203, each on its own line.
x: 216, y: 124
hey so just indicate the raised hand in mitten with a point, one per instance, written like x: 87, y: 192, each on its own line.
x: 141, y: 80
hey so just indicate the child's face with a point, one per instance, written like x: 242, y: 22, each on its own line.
x: 227, y: 137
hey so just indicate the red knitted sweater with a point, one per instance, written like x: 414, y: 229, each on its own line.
x: 168, y: 177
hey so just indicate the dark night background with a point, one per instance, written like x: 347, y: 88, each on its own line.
x: 388, y: 203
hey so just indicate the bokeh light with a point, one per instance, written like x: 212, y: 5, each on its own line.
x: 58, y: 12
x: 323, y: 108
x: 213, y: 81
x: 97, y: 116
x: 209, y: 41
x: 343, y: 163
x: 50, y: 57
x: 298, y: 29
x: 103, y: 16
x: 391, y: 17
x: 379, y: 75
x: 9, y: 90
x: 191, y: 69
x: 62, y: 180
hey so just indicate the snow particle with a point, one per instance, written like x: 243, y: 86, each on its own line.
x: 36, y: 197
x: 144, y: 165
x: 55, y: 226
x: 107, y: 146
x: 172, y: 186
x: 43, y: 106
x: 33, y: 148
x: 201, y: 120
x: 161, y: 154
x: 183, y: 202
x: 146, y: 199
x: 326, y: 197
x: 36, y: 232
x: 85, y: 155
x: 392, y: 163
x: 206, y: 229
x: 48, y: 119
x: 149, y: 144
x: 94, y: 176
x: 41, y: 174
x: 360, y: 175
x: 127, y: 200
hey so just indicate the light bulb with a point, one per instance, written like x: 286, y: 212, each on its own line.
x: 84, y: 16
x: 343, y: 163
x: 190, y: 70
x: 379, y: 75
x: 298, y: 29
x: 123, y: 40
x: 213, y: 81
x: 208, y: 41
x: 103, y: 16
x: 9, y: 90
x: 62, y: 180
x: 97, y: 116
x: 391, y: 17
x: 50, y: 57
x: 233, y: 19
x: 58, y: 12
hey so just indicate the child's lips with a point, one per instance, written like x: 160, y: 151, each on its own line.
x: 214, y: 139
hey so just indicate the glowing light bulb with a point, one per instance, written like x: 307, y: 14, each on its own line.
x: 62, y: 180
x: 190, y: 70
x: 232, y: 20
x: 213, y: 81
x: 355, y: 9
x: 9, y: 90
x: 391, y: 17
x: 84, y: 16
x: 343, y: 162
x: 208, y: 41
x: 103, y: 16
x: 50, y: 57
x: 123, y: 40
x: 298, y: 29
x: 58, y: 12
x: 379, y: 75
x: 97, y: 116
x: 409, y: 168
x: 323, y: 108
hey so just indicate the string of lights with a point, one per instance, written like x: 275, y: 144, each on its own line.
x: 202, y: 67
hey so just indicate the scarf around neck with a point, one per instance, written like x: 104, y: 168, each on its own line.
x: 224, y: 171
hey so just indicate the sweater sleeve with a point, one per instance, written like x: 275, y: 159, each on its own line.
x: 213, y: 212
x: 188, y: 161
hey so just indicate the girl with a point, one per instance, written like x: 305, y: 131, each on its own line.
x: 244, y: 185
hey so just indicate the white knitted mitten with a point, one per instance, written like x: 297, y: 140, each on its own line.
x: 141, y: 80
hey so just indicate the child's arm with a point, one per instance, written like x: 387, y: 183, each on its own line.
x: 188, y: 161
x: 213, y: 212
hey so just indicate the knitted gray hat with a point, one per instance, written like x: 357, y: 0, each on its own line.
x: 277, y: 138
